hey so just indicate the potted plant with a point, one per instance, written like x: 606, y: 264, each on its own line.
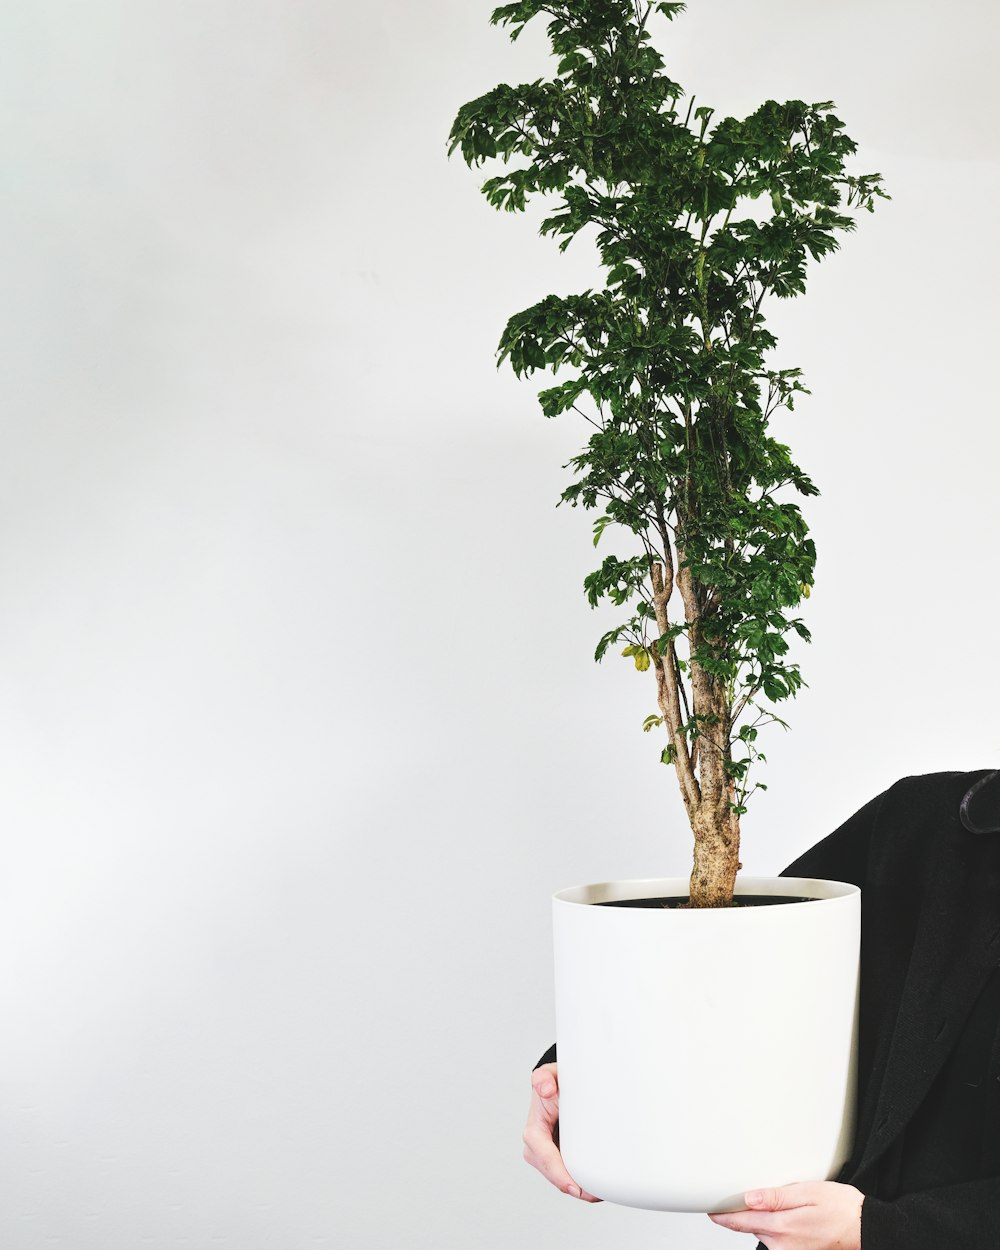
x: 698, y: 228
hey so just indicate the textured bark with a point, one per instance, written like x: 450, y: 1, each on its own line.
x: 668, y: 696
x: 706, y: 788
x: 716, y: 857
x: 717, y: 829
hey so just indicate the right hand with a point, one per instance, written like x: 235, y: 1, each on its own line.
x: 541, y: 1133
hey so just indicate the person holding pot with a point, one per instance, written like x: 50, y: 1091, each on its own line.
x: 925, y: 1169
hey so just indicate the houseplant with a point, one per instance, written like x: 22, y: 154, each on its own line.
x: 696, y: 229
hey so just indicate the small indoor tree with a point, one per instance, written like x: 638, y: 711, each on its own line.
x: 672, y: 354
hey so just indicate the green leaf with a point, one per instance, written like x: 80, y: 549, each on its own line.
x: 600, y: 525
x: 773, y: 687
x: 667, y: 637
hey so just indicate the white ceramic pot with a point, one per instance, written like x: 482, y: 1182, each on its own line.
x: 705, y: 1052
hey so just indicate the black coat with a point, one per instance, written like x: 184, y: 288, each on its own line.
x: 926, y: 854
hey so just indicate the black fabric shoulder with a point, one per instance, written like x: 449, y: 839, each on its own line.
x: 843, y: 854
x: 912, y: 801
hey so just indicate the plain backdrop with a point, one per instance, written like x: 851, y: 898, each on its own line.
x: 300, y: 721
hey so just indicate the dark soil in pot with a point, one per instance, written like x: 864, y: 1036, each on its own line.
x: 683, y: 901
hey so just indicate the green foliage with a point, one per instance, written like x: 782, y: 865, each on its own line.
x: 696, y: 228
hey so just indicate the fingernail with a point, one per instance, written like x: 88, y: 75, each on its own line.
x: 753, y: 1197
x: 546, y: 1089
x: 574, y: 1190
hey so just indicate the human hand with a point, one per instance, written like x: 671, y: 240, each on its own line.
x: 541, y: 1133
x: 809, y: 1215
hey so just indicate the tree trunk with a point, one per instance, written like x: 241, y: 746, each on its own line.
x: 708, y: 795
x: 716, y: 856
x: 716, y: 827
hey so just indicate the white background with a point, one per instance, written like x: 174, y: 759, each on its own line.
x: 301, y: 725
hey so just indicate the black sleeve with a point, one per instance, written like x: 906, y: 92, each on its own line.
x: 964, y: 1216
x: 840, y: 856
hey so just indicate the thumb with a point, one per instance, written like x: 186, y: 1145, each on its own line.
x: 779, y: 1199
x: 544, y: 1083
x: 765, y: 1199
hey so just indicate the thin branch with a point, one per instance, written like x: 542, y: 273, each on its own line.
x: 667, y: 694
x: 602, y: 428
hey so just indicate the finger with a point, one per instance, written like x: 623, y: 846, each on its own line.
x: 545, y: 1101
x: 542, y: 1153
x: 782, y: 1198
x: 760, y: 1223
x: 541, y: 1148
x: 547, y: 1160
x: 545, y: 1081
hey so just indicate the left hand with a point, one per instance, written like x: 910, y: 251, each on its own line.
x: 809, y: 1215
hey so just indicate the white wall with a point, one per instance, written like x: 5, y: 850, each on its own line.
x: 300, y: 722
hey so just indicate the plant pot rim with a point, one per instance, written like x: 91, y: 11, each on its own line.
x: 822, y: 892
